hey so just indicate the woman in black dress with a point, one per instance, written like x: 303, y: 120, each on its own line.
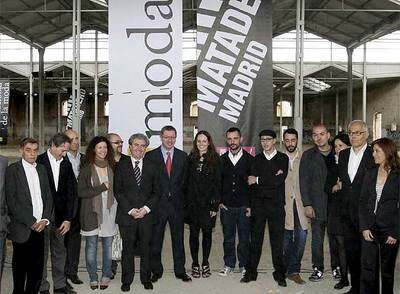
x: 202, y: 199
x: 379, y: 219
x: 335, y: 224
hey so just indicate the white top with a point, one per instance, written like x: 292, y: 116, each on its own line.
x: 379, y: 189
x: 235, y: 157
x: 354, y: 161
x: 55, y: 167
x: 32, y: 177
x: 75, y: 162
x: 270, y: 156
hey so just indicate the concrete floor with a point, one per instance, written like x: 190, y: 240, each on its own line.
x: 215, y: 284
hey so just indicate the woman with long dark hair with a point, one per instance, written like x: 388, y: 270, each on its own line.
x: 202, y: 199
x: 98, y: 207
x: 379, y: 219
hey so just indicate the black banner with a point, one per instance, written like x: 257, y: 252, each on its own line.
x: 4, y: 108
x: 234, y: 69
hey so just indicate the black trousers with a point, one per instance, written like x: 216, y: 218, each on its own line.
x: 142, y: 229
x: 73, y: 246
x: 352, y: 242
x: 27, y: 264
x: 318, y: 228
x: 264, y: 210
x: 337, y: 251
x: 168, y: 213
x: 373, y: 254
x: 194, y: 244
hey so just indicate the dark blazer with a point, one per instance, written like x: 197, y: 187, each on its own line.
x: 64, y: 199
x: 129, y: 195
x: 313, y: 175
x: 3, y: 206
x: 387, y: 215
x: 235, y: 189
x: 171, y: 188
x: 351, y: 190
x: 19, y: 201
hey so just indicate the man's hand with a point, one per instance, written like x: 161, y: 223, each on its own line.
x: 221, y: 206
x: 141, y: 212
x: 40, y: 226
x: 368, y: 235
x: 64, y: 228
x: 309, y: 210
x: 213, y: 213
x: 252, y: 180
x: 279, y: 172
x: 391, y: 241
x: 134, y: 213
x: 248, y: 211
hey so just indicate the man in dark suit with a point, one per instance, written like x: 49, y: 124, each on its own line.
x: 73, y: 236
x: 172, y: 163
x: 3, y: 214
x: 353, y: 164
x: 30, y: 209
x: 63, y: 190
x: 136, y: 186
x: 268, y: 174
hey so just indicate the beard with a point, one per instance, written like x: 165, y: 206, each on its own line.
x: 291, y: 149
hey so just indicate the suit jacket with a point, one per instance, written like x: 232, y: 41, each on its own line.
x: 3, y: 206
x: 19, y: 202
x: 129, y: 195
x: 64, y: 199
x: 351, y: 190
x: 171, y: 188
x: 387, y: 215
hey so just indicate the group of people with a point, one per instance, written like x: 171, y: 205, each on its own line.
x: 342, y: 185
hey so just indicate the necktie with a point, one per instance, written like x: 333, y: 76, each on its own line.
x: 137, y: 173
x: 168, y: 164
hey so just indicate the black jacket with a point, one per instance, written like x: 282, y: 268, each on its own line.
x: 270, y: 184
x: 235, y: 189
x: 129, y: 195
x: 351, y: 190
x: 19, y: 202
x: 64, y: 199
x: 387, y: 215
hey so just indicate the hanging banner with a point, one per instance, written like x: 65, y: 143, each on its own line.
x: 4, y: 110
x: 234, y: 67
x: 71, y: 108
x: 145, y: 68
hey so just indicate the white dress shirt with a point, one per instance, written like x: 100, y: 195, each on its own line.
x: 75, y: 162
x: 133, y: 160
x: 354, y: 161
x: 270, y: 156
x: 235, y: 157
x: 55, y: 167
x: 32, y: 177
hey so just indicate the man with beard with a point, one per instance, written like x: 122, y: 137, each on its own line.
x: 235, y: 202
x: 296, y: 224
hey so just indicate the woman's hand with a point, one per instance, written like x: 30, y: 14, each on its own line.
x: 368, y: 235
x: 391, y: 241
x: 213, y: 213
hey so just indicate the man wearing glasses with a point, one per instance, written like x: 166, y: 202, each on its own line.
x: 313, y: 176
x: 353, y: 163
x: 117, y: 143
x: 172, y: 163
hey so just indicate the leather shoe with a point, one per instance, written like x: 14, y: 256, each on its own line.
x: 247, y: 278
x: 184, y: 277
x: 75, y: 280
x: 125, y: 287
x: 155, y: 277
x: 280, y: 279
x: 148, y: 285
x: 296, y: 278
x: 341, y: 285
x: 45, y: 292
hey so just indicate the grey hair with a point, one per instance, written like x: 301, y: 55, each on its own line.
x: 359, y: 122
x: 139, y: 136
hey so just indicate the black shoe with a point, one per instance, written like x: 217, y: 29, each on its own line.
x: 148, y: 285
x: 125, y: 287
x: 280, y: 279
x: 45, y: 292
x: 341, y: 285
x: 68, y: 285
x: 184, y: 277
x: 248, y: 278
x: 155, y: 277
x: 316, y: 276
x: 75, y: 280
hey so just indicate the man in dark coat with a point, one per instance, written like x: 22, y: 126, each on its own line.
x: 268, y: 174
x: 3, y: 214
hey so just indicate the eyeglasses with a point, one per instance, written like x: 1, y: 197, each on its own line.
x: 118, y: 142
x: 356, y: 133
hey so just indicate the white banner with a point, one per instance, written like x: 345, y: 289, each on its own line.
x: 145, y: 68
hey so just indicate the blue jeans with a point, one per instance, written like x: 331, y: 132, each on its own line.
x: 232, y: 218
x: 293, y: 246
x: 91, y: 257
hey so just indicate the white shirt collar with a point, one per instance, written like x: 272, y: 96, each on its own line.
x: 133, y: 160
x: 28, y: 165
x: 270, y: 156
x: 52, y: 158
x: 235, y: 158
x: 360, y: 152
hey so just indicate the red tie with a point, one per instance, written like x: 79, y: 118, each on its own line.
x: 168, y: 164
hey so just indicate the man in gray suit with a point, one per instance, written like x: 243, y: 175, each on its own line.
x: 3, y: 214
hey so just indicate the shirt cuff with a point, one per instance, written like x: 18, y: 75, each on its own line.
x: 147, y: 209
x: 47, y: 221
x: 257, y: 180
x: 130, y: 211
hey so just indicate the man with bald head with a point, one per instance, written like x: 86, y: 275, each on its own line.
x: 73, y: 237
x: 353, y: 163
x: 117, y: 144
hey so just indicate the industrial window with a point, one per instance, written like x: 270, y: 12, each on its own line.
x: 377, y: 125
x: 286, y: 109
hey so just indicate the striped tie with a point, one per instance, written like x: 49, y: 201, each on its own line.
x: 136, y: 171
